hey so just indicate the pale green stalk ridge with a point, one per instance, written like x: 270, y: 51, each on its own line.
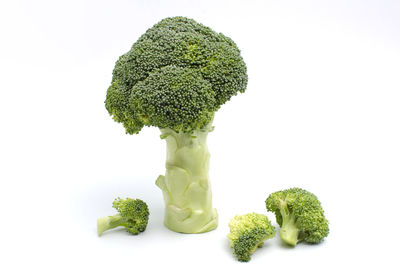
x: 289, y: 230
x: 186, y: 186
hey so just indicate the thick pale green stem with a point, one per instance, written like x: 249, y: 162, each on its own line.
x: 289, y: 232
x: 108, y: 222
x: 186, y: 187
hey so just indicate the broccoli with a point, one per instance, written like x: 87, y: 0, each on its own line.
x: 175, y: 77
x: 133, y: 215
x: 247, y: 233
x: 299, y: 214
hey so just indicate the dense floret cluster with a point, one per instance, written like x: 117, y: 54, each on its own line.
x: 175, y: 76
x: 247, y: 233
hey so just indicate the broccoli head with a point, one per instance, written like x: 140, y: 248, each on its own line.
x: 175, y: 76
x: 133, y: 215
x: 247, y: 233
x: 299, y: 214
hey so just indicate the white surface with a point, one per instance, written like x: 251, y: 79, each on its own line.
x: 321, y: 112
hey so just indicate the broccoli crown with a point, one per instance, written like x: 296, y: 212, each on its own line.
x: 134, y: 214
x: 175, y: 76
x: 299, y: 210
x: 247, y: 233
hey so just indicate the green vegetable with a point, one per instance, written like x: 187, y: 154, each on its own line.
x: 300, y: 216
x: 175, y: 77
x: 247, y: 233
x: 133, y: 215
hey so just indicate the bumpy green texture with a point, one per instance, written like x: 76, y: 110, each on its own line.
x: 175, y: 76
x: 300, y: 216
x: 186, y: 186
x: 133, y: 215
x: 247, y: 233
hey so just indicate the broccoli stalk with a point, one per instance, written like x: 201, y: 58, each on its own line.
x: 109, y: 222
x: 289, y: 230
x: 175, y: 77
x: 186, y: 186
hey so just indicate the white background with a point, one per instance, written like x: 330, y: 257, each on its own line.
x: 321, y: 112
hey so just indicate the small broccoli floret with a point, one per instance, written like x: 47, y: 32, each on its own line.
x: 300, y: 216
x: 133, y: 215
x: 247, y: 233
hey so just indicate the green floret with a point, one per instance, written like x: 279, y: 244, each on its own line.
x: 300, y: 216
x: 133, y: 215
x: 247, y: 233
x: 188, y: 99
x: 175, y: 63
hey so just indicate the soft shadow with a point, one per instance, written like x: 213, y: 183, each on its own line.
x: 284, y: 245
